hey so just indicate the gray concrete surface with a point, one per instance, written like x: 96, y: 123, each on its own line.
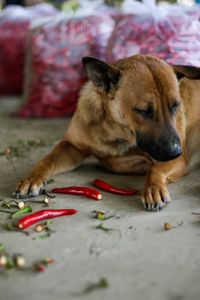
x: 139, y: 259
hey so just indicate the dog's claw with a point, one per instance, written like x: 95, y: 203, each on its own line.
x: 145, y: 205
x: 164, y: 200
x: 154, y: 206
x: 18, y: 195
x: 163, y: 206
x: 31, y: 194
x: 151, y: 207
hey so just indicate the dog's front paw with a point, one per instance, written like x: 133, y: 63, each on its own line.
x: 155, y: 196
x: 29, y: 187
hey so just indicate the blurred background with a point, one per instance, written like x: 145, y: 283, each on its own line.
x: 42, y: 43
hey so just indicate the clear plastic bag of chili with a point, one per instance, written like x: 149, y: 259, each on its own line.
x: 169, y: 33
x: 14, y: 23
x: 193, y: 11
x: 53, y: 72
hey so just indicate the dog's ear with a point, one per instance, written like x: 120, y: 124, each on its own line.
x: 101, y: 74
x: 187, y: 71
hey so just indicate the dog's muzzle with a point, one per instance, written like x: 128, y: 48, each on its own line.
x: 165, y: 149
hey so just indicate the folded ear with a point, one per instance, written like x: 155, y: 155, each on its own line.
x: 187, y: 71
x: 101, y: 74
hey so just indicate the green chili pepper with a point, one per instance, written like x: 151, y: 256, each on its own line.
x: 21, y: 211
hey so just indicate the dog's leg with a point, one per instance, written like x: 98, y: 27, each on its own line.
x: 155, y: 194
x: 64, y: 157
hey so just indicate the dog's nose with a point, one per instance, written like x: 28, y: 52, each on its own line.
x: 167, y: 147
x: 174, y: 151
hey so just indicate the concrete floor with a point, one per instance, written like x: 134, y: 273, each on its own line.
x: 139, y: 259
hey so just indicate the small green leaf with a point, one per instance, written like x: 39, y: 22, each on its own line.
x: 14, y: 151
x: 6, y: 205
x: 51, y: 180
x: 20, y: 142
x: 42, y: 236
x: 102, y: 283
x: 100, y: 226
x: 10, y: 264
x: 9, y: 226
x: 31, y: 143
x: 1, y: 247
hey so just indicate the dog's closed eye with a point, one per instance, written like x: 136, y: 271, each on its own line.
x: 146, y: 113
x: 175, y: 107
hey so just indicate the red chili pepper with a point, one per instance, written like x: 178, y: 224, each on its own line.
x: 109, y: 188
x: 43, y: 214
x: 77, y: 190
x: 39, y: 268
x: 47, y: 260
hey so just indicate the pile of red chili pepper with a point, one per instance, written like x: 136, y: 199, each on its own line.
x: 54, y: 73
x: 174, y: 38
x: 14, y: 23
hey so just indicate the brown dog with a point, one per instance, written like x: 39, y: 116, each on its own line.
x: 135, y: 116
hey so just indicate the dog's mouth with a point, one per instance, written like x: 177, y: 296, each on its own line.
x: 163, y: 150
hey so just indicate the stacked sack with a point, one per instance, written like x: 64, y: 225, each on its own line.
x: 172, y: 33
x: 14, y: 23
x: 54, y: 72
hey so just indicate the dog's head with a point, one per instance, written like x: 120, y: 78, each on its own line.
x: 143, y: 94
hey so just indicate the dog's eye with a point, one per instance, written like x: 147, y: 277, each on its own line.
x: 175, y: 108
x: 145, y: 113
